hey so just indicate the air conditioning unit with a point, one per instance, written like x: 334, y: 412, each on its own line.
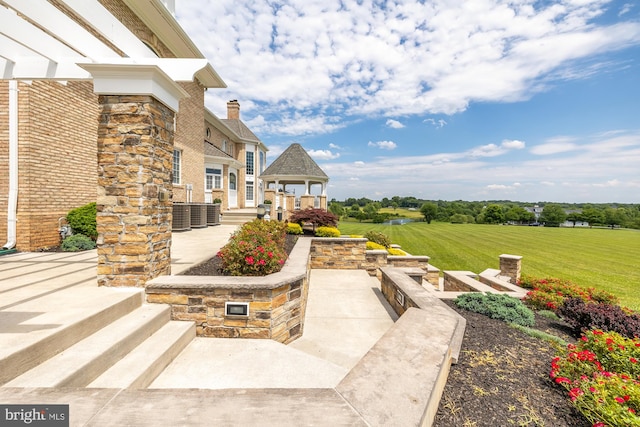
x: 181, y: 217
x: 198, y: 215
x: 213, y: 214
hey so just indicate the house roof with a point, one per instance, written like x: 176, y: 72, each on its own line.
x: 294, y: 162
x: 241, y: 130
x: 212, y: 150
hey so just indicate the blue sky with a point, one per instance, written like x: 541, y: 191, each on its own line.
x: 474, y: 100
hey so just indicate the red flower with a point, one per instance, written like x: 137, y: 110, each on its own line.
x: 599, y: 424
x: 249, y: 260
x: 561, y: 380
x: 597, y: 332
x: 584, y: 338
x: 633, y: 360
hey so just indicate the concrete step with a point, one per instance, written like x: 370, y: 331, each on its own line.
x: 83, y: 362
x: 141, y: 366
x: 238, y: 216
x: 36, y: 330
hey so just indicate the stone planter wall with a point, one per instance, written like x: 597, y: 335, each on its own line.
x: 277, y: 302
x: 339, y: 253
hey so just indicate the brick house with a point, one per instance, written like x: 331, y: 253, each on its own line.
x: 52, y: 105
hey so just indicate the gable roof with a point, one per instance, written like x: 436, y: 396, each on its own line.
x: 241, y: 130
x: 294, y: 161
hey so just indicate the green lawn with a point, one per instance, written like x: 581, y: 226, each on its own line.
x: 602, y: 258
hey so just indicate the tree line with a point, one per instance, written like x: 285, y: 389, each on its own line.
x: 491, y: 211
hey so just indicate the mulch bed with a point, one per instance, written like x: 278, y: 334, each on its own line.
x: 502, y: 378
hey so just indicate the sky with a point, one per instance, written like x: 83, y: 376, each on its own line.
x: 518, y: 100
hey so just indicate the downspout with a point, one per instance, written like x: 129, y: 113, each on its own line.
x: 12, y: 202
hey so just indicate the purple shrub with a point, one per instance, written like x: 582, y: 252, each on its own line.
x: 606, y: 317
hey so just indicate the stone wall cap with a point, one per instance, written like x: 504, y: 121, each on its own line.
x: 510, y: 256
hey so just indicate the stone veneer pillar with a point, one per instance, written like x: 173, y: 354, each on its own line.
x: 135, y: 155
x: 511, y: 266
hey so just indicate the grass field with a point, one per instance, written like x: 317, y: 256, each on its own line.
x: 603, y: 258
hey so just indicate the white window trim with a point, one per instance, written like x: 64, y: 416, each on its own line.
x: 176, y: 180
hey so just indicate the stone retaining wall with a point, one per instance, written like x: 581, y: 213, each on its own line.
x: 338, y: 253
x: 277, y: 302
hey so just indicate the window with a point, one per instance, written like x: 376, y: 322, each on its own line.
x: 208, y: 133
x: 262, y: 156
x: 249, y: 190
x: 213, y: 179
x: 177, y: 157
x: 249, y: 163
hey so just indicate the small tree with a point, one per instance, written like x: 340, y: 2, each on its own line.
x: 493, y: 214
x: 316, y: 217
x: 553, y: 215
x: 429, y: 210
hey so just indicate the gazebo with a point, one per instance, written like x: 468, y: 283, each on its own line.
x: 294, y: 167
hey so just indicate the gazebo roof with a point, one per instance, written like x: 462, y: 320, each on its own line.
x: 294, y: 162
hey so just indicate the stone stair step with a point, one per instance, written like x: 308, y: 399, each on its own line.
x: 83, y: 362
x: 56, y: 322
x: 143, y: 364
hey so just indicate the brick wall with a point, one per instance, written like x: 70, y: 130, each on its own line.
x: 136, y: 26
x: 189, y: 139
x: 4, y: 158
x: 57, y: 157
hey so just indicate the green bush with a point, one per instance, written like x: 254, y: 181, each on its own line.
x: 256, y: 249
x: 83, y: 220
x: 550, y: 293
x: 293, y: 228
x: 497, y: 306
x: 327, y: 232
x: 77, y: 242
x: 379, y: 238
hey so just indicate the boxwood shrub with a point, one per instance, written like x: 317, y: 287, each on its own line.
x: 497, y: 306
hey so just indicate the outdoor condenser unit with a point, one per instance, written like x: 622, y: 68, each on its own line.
x: 213, y: 214
x: 181, y: 217
x: 198, y: 215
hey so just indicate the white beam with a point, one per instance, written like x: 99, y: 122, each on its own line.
x: 179, y: 69
x: 109, y: 27
x: 22, y: 32
x: 62, y: 27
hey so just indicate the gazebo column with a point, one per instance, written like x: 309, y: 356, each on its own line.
x: 135, y: 152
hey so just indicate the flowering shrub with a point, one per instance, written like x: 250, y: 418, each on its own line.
x: 497, y: 306
x: 396, y: 251
x: 327, y: 232
x: 293, y: 228
x: 581, y: 317
x: 374, y: 246
x: 256, y: 249
x: 550, y: 293
x: 600, y: 373
x: 379, y: 238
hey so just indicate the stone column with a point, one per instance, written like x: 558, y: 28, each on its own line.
x: 511, y: 266
x: 135, y: 152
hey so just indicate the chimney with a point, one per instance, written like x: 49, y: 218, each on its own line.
x: 233, y: 110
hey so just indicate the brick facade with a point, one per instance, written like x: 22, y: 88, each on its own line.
x: 57, y: 157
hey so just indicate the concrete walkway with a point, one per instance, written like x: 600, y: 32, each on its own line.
x: 346, y: 315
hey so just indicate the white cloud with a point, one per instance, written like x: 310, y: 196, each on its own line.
x: 323, y: 154
x: 383, y: 145
x: 301, y: 65
x: 334, y: 146
x: 513, y: 144
x: 437, y: 123
x: 457, y: 175
x: 559, y: 145
x: 394, y: 124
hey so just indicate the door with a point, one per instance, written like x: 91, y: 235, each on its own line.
x: 233, y: 188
